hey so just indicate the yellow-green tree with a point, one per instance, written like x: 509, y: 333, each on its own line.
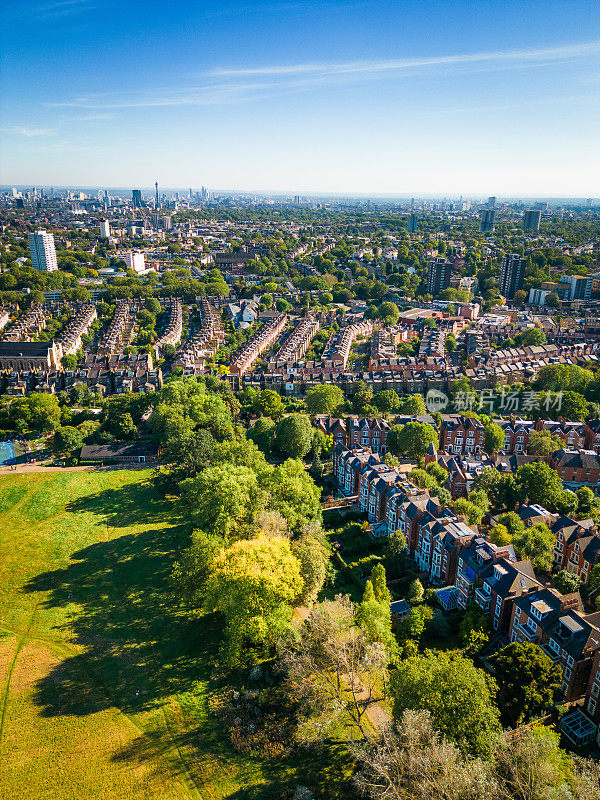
x: 253, y: 584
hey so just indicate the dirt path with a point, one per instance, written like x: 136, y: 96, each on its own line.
x: 25, y: 469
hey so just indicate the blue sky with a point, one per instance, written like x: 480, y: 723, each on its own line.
x: 381, y: 96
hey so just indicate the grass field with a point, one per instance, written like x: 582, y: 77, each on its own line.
x: 103, y: 678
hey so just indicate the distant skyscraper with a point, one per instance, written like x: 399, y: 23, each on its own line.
x: 156, y: 202
x: 491, y: 203
x: 43, y: 252
x: 531, y: 219
x: 511, y: 274
x: 487, y: 220
x: 412, y: 223
x: 136, y: 198
x: 190, y: 194
x: 439, y: 273
x: 104, y: 228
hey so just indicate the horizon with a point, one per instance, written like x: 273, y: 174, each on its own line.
x: 362, y: 99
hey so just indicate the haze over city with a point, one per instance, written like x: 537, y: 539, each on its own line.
x: 354, y: 98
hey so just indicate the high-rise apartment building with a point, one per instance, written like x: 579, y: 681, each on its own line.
x: 512, y: 270
x: 136, y: 198
x: 135, y: 260
x: 580, y: 286
x: 43, y: 252
x: 531, y: 219
x: 491, y: 203
x: 412, y: 223
x: 487, y: 220
x: 439, y: 273
x: 104, y: 228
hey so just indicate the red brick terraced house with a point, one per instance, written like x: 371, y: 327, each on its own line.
x: 568, y: 636
x: 348, y: 465
x: 577, y: 468
x: 573, y: 434
x: 462, y: 435
x: 516, y: 434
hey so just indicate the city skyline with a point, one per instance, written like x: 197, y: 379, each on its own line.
x: 360, y: 98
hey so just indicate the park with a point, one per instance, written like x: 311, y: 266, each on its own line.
x: 105, y: 680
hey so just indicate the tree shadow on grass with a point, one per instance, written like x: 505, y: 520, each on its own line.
x: 140, y: 646
x: 132, y: 504
x: 203, y: 755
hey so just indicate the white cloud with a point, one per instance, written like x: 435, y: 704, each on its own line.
x: 517, y: 58
x: 21, y: 130
x: 222, y: 86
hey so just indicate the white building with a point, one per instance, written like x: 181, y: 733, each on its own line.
x: 43, y: 252
x: 135, y: 261
x: 104, y: 229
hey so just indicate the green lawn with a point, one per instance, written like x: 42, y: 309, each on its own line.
x: 103, y: 678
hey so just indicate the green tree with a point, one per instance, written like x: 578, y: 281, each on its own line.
x: 471, y: 512
x: 542, y: 443
x: 413, y: 404
x: 536, y: 543
x: 253, y: 584
x: 388, y: 313
x: 294, y: 495
x: 294, y: 436
x: 412, y: 439
x: 499, y: 535
x: 374, y: 617
x: 262, y: 433
x: 513, y: 523
x: 459, y: 697
x: 415, y: 591
x: 362, y: 397
x: 69, y: 361
x: 494, y: 438
x: 67, y: 439
x: 313, y: 557
x: 538, y: 483
x: 574, y: 406
x: 193, y: 569
x: 324, y: 399
x: 224, y: 500
x: 563, y: 378
x: 269, y: 404
x: 385, y: 401
x: 587, y: 502
x: 527, y: 681
x: 566, y: 582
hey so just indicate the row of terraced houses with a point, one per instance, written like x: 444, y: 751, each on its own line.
x: 451, y: 554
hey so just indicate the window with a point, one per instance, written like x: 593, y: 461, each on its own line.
x: 592, y: 706
x: 570, y: 660
x: 567, y: 674
x: 595, y: 689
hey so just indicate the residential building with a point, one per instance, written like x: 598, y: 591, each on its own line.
x: 43, y: 252
x: 104, y: 229
x: 569, y: 637
x: 580, y: 286
x: 461, y: 434
x: 439, y: 273
x: 531, y: 219
x: 135, y: 261
x: 577, y: 468
x: 512, y: 271
x: 487, y: 220
x: 136, y: 198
